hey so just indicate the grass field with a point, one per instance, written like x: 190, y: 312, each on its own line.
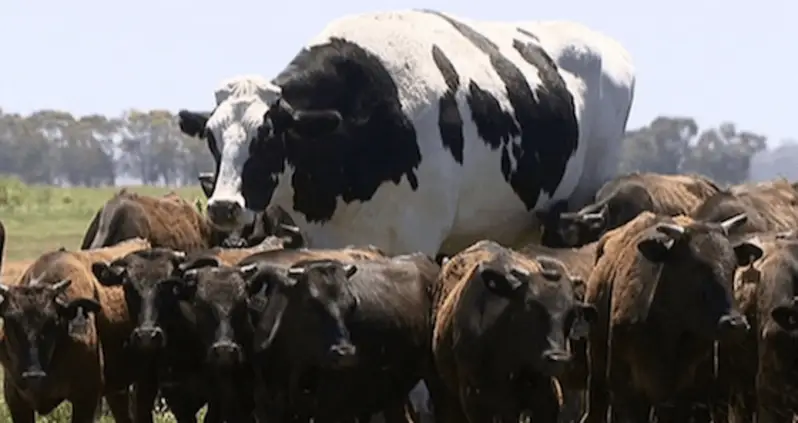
x: 43, y: 218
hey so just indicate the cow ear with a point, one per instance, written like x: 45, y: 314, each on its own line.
x: 656, y: 248
x: 585, y: 315
x: 193, y: 123
x: 108, y: 275
x: 206, y: 180
x: 76, y: 312
x: 316, y: 123
x: 785, y: 316
x: 747, y: 252
x: 498, y: 282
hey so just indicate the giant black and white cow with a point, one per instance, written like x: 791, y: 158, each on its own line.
x: 415, y: 130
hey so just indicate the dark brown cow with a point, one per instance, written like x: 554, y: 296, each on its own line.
x: 2, y: 244
x: 770, y: 206
x: 63, y: 337
x: 172, y: 222
x: 580, y: 263
x: 761, y: 373
x: 621, y: 200
x: 335, y: 340
x: 663, y: 289
x: 501, y: 325
x: 163, y: 332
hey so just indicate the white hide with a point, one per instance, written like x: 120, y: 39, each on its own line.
x: 454, y: 205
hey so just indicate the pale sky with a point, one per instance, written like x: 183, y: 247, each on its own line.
x: 711, y: 59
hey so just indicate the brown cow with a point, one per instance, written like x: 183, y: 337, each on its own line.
x: 499, y: 339
x: 64, y: 335
x: 760, y: 373
x: 621, y: 200
x: 663, y: 289
x: 770, y: 206
x: 580, y: 262
x: 172, y: 222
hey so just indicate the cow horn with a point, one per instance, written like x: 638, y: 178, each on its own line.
x: 296, y: 271
x: 673, y: 231
x: 593, y: 216
x: 570, y: 216
x: 61, y: 285
x: 3, y: 289
x: 733, y: 222
x: 290, y: 228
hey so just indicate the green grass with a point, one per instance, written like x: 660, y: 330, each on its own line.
x: 44, y: 218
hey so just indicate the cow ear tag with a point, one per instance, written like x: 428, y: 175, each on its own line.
x: 751, y: 274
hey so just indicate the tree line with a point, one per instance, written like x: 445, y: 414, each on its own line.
x: 57, y: 148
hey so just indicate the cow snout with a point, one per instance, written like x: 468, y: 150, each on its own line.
x: 343, y: 355
x: 224, y: 213
x: 226, y: 353
x: 33, y: 379
x: 555, y: 361
x: 733, y: 323
x: 149, y: 338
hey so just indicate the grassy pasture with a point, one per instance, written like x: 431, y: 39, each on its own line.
x: 44, y: 218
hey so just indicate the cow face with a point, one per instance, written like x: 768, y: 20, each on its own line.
x: 214, y: 299
x: 786, y: 316
x: 694, y: 273
x: 561, y: 229
x: 147, y: 277
x: 36, y: 318
x: 230, y: 131
x: 312, y: 298
x: 544, y: 309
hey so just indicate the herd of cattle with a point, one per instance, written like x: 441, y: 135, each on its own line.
x: 668, y: 298
x: 366, y: 253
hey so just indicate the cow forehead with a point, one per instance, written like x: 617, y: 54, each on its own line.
x: 220, y: 285
x: 245, y: 111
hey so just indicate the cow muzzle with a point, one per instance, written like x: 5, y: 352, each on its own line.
x: 225, y: 353
x: 733, y: 324
x: 226, y: 214
x: 148, y: 338
x: 342, y: 355
x: 33, y: 379
x: 555, y: 361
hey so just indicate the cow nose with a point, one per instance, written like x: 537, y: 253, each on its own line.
x: 343, y: 355
x: 557, y: 356
x: 555, y: 361
x: 33, y: 378
x: 225, y: 353
x: 734, y: 322
x: 224, y: 212
x: 148, y: 338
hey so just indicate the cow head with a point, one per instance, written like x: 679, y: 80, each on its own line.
x: 231, y: 131
x: 786, y: 316
x: 694, y: 271
x: 536, y: 299
x: 146, y: 277
x: 36, y: 318
x: 562, y: 229
x: 312, y: 298
x: 214, y: 299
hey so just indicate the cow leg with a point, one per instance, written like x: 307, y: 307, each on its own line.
x: 182, y: 404
x: 86, y: 409
x: 475, y: 410
x: 21, y: 411
x: 143, y: 394
x: 119, y: 403
x: 771, y: 404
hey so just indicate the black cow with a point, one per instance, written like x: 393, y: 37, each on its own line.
x: 340, y: 340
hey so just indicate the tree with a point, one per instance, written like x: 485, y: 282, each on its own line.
x: 55, y: 147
